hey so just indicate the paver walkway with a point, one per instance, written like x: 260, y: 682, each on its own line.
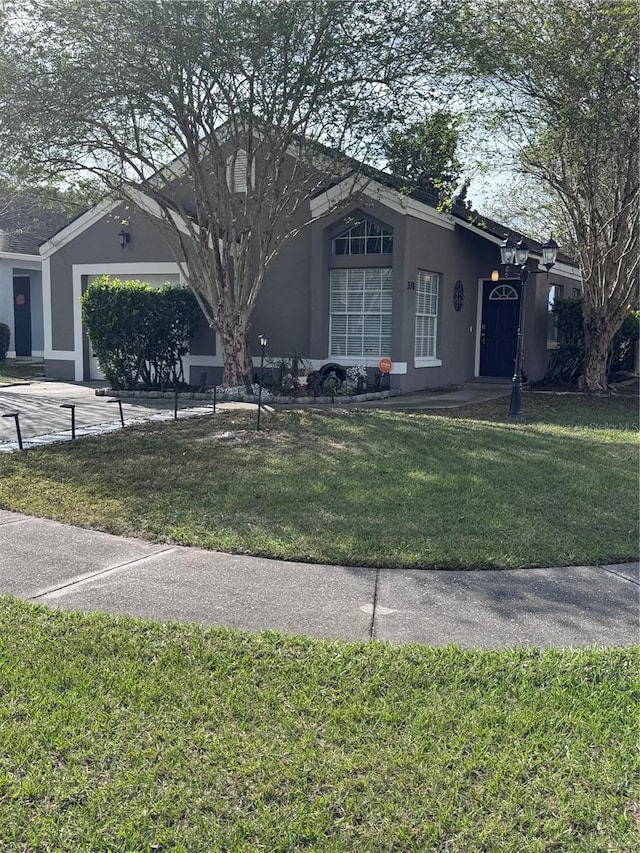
x: 43, y: 421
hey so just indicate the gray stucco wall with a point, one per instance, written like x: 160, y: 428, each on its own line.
x: 99, y: 244
x: 8, y: 269
x: 283, y: 308
x: 6, y: 296
x: 292, y: 308
x: 455, y: 255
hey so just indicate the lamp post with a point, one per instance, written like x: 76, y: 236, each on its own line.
x: 516, y: 254
x: 263, y: 344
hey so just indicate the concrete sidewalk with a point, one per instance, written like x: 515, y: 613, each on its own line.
x: 75, y: 569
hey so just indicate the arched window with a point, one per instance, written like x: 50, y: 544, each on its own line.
x: 364, y: 238
x: 503, y: 291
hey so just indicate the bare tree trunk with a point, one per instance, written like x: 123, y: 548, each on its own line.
x: 598, y: 336
x: 237, y: 362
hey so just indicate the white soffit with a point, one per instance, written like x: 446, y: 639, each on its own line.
x: 91, y: 217
x: 565, y: 270
x: 325, y: 202
x: 20, y: 256
x: 75, y: 228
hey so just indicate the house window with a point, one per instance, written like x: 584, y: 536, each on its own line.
x: 427, y: 287
x: 575, y: 293
x: 237, y: 171
x: 503, y: 291
x: 556, y: 291
x: 364, y: 238
x: 360, y: 323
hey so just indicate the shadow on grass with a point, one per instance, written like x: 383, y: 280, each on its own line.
x: 355, y: 488
x: 576, y: 606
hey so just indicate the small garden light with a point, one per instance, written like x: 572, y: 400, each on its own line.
x: 263, y: 345
x: 16, y: 417
x: 72, y: 407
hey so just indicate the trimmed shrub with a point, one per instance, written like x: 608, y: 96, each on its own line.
x: 5, y: 339
x: 565, y: 364
x: 623, y: 344
x: 139, y: 333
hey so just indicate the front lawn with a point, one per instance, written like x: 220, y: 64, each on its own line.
x: 120, y: 735
x: 19, y: 371
x: 464, y: 488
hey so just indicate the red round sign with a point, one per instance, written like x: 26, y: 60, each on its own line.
x: 385, y: 365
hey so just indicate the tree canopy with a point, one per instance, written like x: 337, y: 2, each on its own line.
x: 560, y: 81
x: 424, y: 153
x: 172, y: 103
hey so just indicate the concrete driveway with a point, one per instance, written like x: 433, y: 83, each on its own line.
x: 42, y: 419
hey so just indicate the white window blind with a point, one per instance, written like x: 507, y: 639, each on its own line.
x: 426, y: 314
x: 361, y: 302
x: 237, y: 172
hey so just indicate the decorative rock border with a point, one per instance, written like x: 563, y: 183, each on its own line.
x: 233, y: 397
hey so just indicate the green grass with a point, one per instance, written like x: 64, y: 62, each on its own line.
x: 123, y: 735
x: 465, y: 488
x: 17, y: 371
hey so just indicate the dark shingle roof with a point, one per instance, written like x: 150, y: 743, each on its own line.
x: 460, y: 212
x: 27, y: 222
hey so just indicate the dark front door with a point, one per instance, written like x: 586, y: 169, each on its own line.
x: 499, y: 330
x: 22, y: 314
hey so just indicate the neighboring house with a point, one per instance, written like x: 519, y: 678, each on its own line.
x: 24, y: 224
x: 387, y: 276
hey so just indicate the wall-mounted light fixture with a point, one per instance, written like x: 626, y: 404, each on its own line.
x: 124, y: 238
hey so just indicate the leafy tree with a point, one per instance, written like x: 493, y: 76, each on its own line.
x: 220, y: 118
x: 561, y: 81
x: 424, y: 154
x: 566, y: 362
x: 37, y: 211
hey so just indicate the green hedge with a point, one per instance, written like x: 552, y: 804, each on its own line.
x: 566, y: 361
x: 139, y: 333
x: 5, y: 338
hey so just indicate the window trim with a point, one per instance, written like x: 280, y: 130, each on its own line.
x: 559, y: 291
x: 385, y: 234
x: 234, y: 162
x: 370, y: 357
x: 427, y: 360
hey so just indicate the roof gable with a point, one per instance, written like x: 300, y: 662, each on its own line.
x: 363, y: 180
x: 26, y: 222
